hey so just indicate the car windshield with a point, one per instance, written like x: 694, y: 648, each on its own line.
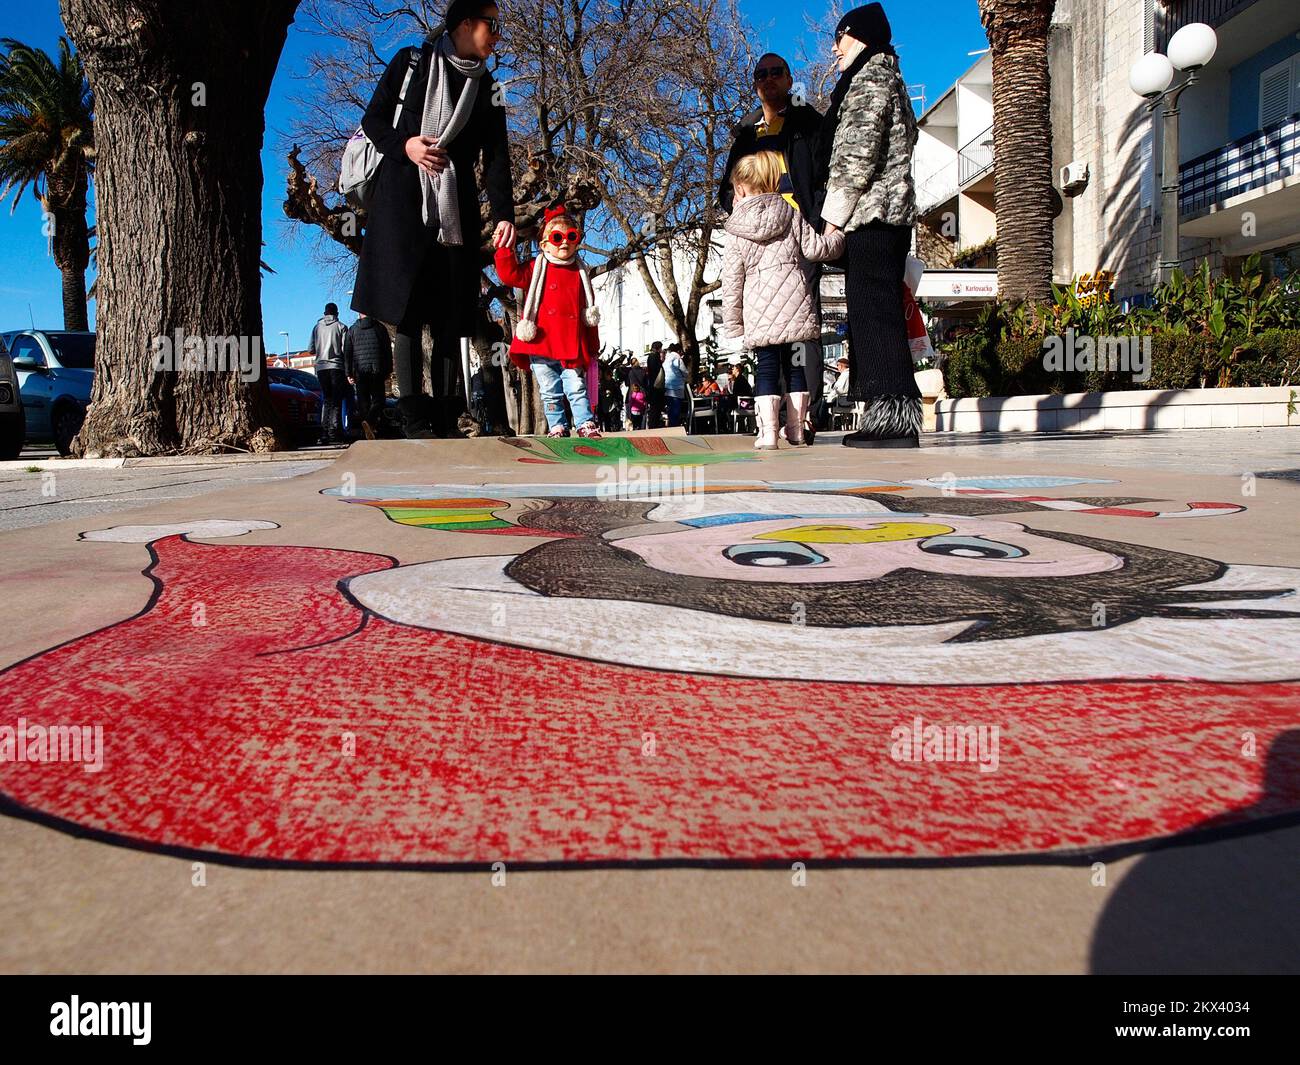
x: 303, y: 379
x: 76, y: 351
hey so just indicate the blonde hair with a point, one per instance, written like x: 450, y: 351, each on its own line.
x: 760, y: 172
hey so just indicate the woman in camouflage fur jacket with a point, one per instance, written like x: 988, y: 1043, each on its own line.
x: 865, y: 161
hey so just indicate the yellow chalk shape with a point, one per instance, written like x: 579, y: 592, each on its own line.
x: 884, y: 532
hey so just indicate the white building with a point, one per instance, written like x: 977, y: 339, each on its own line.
x: 1239, y: 145
x: 629, y: 318
x: 953, y: 168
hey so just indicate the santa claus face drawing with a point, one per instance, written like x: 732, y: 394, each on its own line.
x: 772, y: 641
x: 794, y: 551
x: 910, y: 591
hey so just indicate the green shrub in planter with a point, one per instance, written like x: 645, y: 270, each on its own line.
x: 1023, y: 372
x: 971, y: 368
x: 1177, y: 360
x: 1241, y: 360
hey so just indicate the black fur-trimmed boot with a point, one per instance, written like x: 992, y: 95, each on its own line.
x: 889, y: 421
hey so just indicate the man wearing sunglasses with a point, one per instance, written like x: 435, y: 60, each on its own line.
x: 790, y: 130
x: 780, y: 125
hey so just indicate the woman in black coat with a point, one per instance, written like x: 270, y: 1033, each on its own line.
x: 420, y: 260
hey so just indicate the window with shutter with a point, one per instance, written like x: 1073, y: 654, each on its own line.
x: 1275, y: 93
x: 1148, y: 26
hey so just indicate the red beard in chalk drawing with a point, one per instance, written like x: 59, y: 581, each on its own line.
x: 297, y: 725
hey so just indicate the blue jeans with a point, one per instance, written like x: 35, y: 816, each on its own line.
x: 777, y: 360
x: 555, y: 381
x: 674, y: 409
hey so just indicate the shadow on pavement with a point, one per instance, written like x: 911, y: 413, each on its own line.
x: 1232, y: 906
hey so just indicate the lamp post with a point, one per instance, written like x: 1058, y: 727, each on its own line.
x: 1191, y: 48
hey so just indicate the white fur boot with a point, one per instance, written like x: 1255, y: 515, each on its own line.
x: 796, y: 411
x: 765, y: 412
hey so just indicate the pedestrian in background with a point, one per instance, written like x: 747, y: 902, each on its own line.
x: 328, y: 338
x: 368, y: 363
x: 741, y: 392
x: 836, y: 387
x: 638, y: 388
x: 654, y: 368
x: 674, y: 383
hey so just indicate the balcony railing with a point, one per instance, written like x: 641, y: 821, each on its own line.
x: 1173, y: 16
x: 939, y: 187
x: 975, y: 158
x: 1247, y: 163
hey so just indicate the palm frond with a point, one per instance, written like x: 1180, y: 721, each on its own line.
x: 46, y: 117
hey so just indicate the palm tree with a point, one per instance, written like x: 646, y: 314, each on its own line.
x: 47, y: 141
x: 1022, y: 144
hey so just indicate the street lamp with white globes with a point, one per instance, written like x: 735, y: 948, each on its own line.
x: 1191, y: 48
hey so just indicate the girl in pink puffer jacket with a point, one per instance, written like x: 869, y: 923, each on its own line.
x: 769, y: 291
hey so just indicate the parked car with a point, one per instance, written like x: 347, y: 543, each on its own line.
x: 298, y: 404
x: 55, y: 370
x: 13, y: 426
x: 310, y: 382
x: 298, y: 378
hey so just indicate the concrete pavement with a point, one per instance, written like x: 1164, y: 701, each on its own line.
x: 333, y: 709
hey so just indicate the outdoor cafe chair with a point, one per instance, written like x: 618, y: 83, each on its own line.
x: 703, y: 408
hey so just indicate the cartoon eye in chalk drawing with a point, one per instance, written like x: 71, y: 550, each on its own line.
x: 780, y: 553
x: 970, y: 547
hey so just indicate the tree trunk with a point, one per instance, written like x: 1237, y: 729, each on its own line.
x: 180, y: 91
x: 70, y: 242
x: 74, y: 299
x: 691, y: 356
x: 523, y: 403
x: 1018, y: 32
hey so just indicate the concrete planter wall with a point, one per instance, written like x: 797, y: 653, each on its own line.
x: 1192, y: 408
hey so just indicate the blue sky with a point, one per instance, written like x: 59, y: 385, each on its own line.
x: 933, y: 40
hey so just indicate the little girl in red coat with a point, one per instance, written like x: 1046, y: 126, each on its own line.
x: 556, y: 336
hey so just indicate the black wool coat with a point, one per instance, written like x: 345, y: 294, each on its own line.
x: 396, y: 240
x: 799, y: 132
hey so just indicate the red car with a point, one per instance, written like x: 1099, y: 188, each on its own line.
x: 298, y: 405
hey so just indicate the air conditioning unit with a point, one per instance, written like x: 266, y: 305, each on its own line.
x: 1074, y: 178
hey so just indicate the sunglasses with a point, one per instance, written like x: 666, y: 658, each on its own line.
x: 493, y: 24
x: 569, y: 236
x: 763, y: 73
x: 839, y: 34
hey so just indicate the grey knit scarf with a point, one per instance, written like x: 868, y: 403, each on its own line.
x: 441, y: 120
